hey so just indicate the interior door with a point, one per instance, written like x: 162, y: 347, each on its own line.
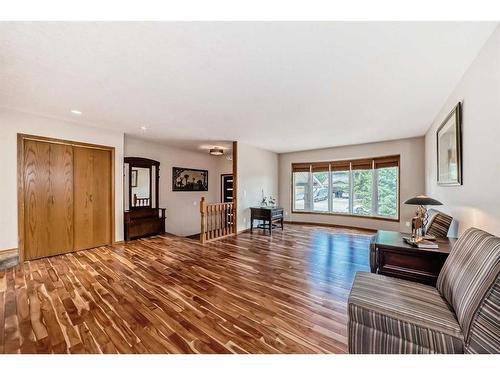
x: 48, y: 199
x: 227, y: 188
x: 92, y: 197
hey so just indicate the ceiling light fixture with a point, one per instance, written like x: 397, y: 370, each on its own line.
x: 217, y: 151
x: 144, y: 128
x: 76, y: 112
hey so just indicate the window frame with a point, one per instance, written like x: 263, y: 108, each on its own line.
x: 374, y: 197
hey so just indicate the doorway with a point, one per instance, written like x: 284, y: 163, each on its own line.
x: 227, y: 188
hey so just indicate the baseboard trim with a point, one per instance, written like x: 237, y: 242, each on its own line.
x: 328, y: 225
x: 243, y: 231
x: 7, y: 252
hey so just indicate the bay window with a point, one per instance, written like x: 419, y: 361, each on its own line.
x: 365, y: 187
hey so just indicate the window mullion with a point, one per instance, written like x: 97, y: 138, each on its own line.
x: 330, y: 189
x: 351, y: 189
x: 310, y: 193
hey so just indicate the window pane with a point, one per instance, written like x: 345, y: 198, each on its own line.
x: 362, y: 191
x: 340, y: 191
x: 300, y: 187
x: 320, y: 191
x: 387, y: 190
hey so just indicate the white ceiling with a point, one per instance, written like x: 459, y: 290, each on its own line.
x: 282, y: 86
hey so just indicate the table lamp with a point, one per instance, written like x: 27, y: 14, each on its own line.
x: 419, y: 222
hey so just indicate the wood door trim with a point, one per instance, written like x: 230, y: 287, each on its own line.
x: 63, y: 142
x: 235, y: 187
x: 21, y: 138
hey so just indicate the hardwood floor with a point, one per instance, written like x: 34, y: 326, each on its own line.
x: 166, y: 294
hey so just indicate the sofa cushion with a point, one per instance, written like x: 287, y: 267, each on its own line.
x: 439, y: 225
x: 469, y: 273
x: 389, y: 315
x: 484, y: 336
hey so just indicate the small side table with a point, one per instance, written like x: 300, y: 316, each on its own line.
x: 391, y: 256
x: 267, y: 215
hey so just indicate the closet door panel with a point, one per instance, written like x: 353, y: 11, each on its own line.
x: 60, y: 214
x: 83, y: 191
x: 101, y: 197
x: 36, y: 172
x: 92, y: 197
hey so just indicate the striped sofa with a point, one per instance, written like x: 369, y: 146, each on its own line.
x: 460, y: 315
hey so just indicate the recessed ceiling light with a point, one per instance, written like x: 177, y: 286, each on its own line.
x: 76, y: 112
x: 144, y: 128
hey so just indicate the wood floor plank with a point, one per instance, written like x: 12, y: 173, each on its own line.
x: 250, y: 293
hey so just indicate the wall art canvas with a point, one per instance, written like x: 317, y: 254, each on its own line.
x: 189, y: 179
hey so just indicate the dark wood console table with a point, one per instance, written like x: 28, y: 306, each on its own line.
x: 391, y: 256
x: 144, y: 222
x: 267, y: 215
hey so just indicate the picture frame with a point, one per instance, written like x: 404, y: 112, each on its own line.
x: 133, y: 182
x: 189, y: 179
x: 449, y: 149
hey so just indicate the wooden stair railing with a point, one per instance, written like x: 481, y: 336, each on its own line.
x: 216, y: 220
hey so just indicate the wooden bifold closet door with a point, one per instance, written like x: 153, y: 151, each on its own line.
x: 48, y: 197
x: 92, y: 197
x: 65, y: 198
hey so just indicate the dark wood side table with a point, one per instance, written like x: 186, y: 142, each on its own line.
x: 267, y: 215
x: 391, y: 256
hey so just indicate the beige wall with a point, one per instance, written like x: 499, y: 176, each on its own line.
x: 257, y: 172
x: 183, y: 207
x: 477, y: 201
x: 11, y: 123
x: 412, y: 179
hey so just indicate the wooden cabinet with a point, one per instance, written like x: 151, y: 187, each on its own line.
x: 65, y: 196
x: 92, y: 197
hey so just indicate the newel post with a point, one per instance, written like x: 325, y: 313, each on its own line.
x: 203, y: 211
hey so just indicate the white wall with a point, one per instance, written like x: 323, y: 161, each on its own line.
x: 412, y: 179
x: 257, y: 171
x: 11, y: 123
x: 477, y: 201
x: 183, y: 207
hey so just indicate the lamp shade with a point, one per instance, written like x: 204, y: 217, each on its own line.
x: 423, y: 200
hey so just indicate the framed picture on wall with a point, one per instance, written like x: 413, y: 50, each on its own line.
x: 449, y: 149
x: 188, y: 179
